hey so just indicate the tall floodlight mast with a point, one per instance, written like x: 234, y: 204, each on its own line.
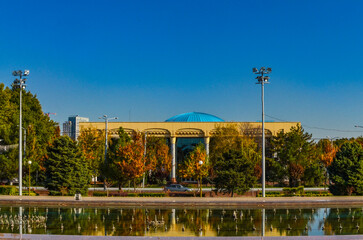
x: 262, y: 79
x: 20, y: 83
x: 104, y: 117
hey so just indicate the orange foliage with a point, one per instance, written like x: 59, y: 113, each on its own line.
x: 131, y: 158
x: 329, y: 153
x: 296, y: 170
x: 158, y: 157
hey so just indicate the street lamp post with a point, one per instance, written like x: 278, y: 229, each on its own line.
x: 262, y: 79
x: 200, y: 164
x: 143, y: 177
x: 21, y: 84
x: 104, y: 117
x: 326, y: 167
x: 29, y: 163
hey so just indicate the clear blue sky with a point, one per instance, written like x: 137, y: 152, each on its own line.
x: 155, y: 59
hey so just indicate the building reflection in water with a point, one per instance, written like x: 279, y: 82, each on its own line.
x: 181, y: 221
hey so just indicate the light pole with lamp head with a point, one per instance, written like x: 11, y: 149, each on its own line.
x: 29, y: 163
x: 262, y: 79
x: 21, y: 84
x: 143, y: 177
x: 104, y: 117
x: 200, y: 164
x: 325, y: 166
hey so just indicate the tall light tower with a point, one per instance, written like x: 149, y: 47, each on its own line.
x: 20, y: 83
x: 262, y: 79
x: 104, y: 117
x: 143, y: 176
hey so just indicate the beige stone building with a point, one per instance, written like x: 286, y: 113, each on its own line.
x: 186, y: 130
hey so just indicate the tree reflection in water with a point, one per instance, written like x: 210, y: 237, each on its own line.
x: 153, y: 221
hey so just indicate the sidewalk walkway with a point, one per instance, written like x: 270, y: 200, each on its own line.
x: 183, y: 201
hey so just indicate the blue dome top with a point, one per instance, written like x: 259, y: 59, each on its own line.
x: 194, y: 117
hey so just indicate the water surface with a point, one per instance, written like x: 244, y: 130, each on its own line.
x: 152, y: 221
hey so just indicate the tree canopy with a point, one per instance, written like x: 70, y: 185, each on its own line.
x: 346, y: 170
x: 293, y: 153
x: 40, y: 131
x: 91, y: 142
x: 235, y: 160
x: 67, y: 170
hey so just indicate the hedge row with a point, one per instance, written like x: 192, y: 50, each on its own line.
x: 104, y: 194
x: 304, y: 194
x: 8, y: 190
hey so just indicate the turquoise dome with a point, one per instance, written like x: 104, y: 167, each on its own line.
x: 194, y: 117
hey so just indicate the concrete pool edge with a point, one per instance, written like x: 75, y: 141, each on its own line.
x: 182, y: 201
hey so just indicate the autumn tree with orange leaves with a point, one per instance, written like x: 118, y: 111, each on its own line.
x: 130, y: 159
x: 159, y: 157
x: 328, y: 152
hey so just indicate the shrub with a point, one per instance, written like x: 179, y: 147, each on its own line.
x: 271, y: 194
x: 99, y: 194
x: 55, y: 193
x: 152, y: 195
x: 293, y: 191
x: 32, y: 193
x: 8, y: 190
x: 317, y: 194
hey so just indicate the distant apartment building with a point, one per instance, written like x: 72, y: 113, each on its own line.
x: 71, y: 127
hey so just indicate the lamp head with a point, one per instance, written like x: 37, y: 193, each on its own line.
x: 255, y: 70
x: 269, y: 70
x: 26, y: 72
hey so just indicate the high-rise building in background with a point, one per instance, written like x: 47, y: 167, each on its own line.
x: 71, y: 127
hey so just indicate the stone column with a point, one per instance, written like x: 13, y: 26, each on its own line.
x: 206, y: 141
x: 173, y: 161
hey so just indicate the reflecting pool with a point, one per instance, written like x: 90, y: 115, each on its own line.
x: 189, y: 221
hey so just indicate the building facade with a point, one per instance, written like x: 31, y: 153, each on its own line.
x: 186, y: 130
x: 71, y: 127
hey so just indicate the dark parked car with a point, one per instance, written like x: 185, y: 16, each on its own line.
x: 177, y: 188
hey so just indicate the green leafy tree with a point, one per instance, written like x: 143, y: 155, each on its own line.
x: 91, y: 142
x: 293, y: 153
x: 196, y: 165
x: 40, y: 130
x: 111, y: 169
x: 231, y: 139
x: 7, y: 167
x: 234, y: 172
x: 66, y: 167
x: 346, y: 170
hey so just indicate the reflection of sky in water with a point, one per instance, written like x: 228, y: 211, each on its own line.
x: 315, y: 226
x: 190, y: 221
